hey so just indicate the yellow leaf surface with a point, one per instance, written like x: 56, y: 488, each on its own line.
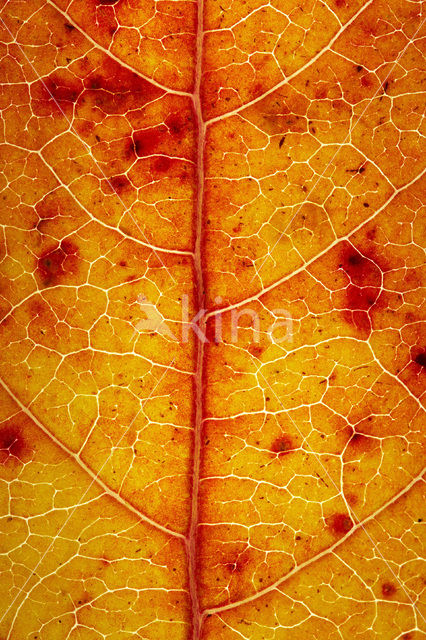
x: 212, y: 345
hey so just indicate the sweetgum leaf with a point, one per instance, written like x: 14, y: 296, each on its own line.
x: 260, y: 167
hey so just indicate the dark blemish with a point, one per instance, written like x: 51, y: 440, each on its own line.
x: 360, y: 169
x: 51, y: 263
x: 282, y: 445
x: 119, y: 183
x: 386, y: 86
x: 238, y: 565
x: 341, y: 523
x: 420, y: 359
x: 94, y: 82
x: 366, y: 204
x: 12, y: 444
x: 69, y: 27
x: 54, y: 94
x: 281, y: 142
x: 176, y: 124
x: 388, y: 589
x: 351, y: 499
x: 360, y: 444
x: 115, y: 88
x: 256, y: 350
x: 359, y: 68
x: 129, y: 149
x: 162, y: 164
x: 363, y: 288
x: 146, y: 141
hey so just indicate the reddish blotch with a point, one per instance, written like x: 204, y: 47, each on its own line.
x: 12, y: 444
x: 341, y: 523
x: 283, y: 445
x: 53, y: 265
x: 55, y: 94
x: 363, y: 288
x: 388, y: 589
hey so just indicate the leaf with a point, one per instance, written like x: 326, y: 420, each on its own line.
x: 212, y: 338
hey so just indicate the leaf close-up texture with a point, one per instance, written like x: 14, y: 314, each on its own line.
x: 212, y: 307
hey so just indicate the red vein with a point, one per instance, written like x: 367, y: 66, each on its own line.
x: 199, y: 283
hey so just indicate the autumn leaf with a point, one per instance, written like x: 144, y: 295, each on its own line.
x: 212, y: 346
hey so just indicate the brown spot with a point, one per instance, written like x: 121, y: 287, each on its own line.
x: 351, y: 499
x: 105, y: 562
x: 238, y: 563
x: 129, y: 151
x: 177, y: 124
x: 115, y: 89
x: 84, y: 599
x: 340, y: 523
x: 258, y: 89
x: 420, y: 359
x: 146, y: 142
x: 283, y: 445
x: 388, y: 589
x: 162, y: 164
x: 321, y: 92
x: 119, y: 183
x: 363, y: 289
x: 366, y: 81
x: 12, y: 444
x: 360, y: 444
x: 56, y: 94
x: 256, y: 350
x: 53, y: 265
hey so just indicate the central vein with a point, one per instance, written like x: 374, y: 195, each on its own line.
x: 199, y: 284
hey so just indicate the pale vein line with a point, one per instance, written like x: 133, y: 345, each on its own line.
x: 322, y: 554
x: 116, y: 58
x: 95, y: 478
x: 295, y: 73
x: 319, y: 255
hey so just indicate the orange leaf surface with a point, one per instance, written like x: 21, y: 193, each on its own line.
x: 212, y: 346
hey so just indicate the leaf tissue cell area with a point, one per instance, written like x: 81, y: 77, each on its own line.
x: 212, y: 344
